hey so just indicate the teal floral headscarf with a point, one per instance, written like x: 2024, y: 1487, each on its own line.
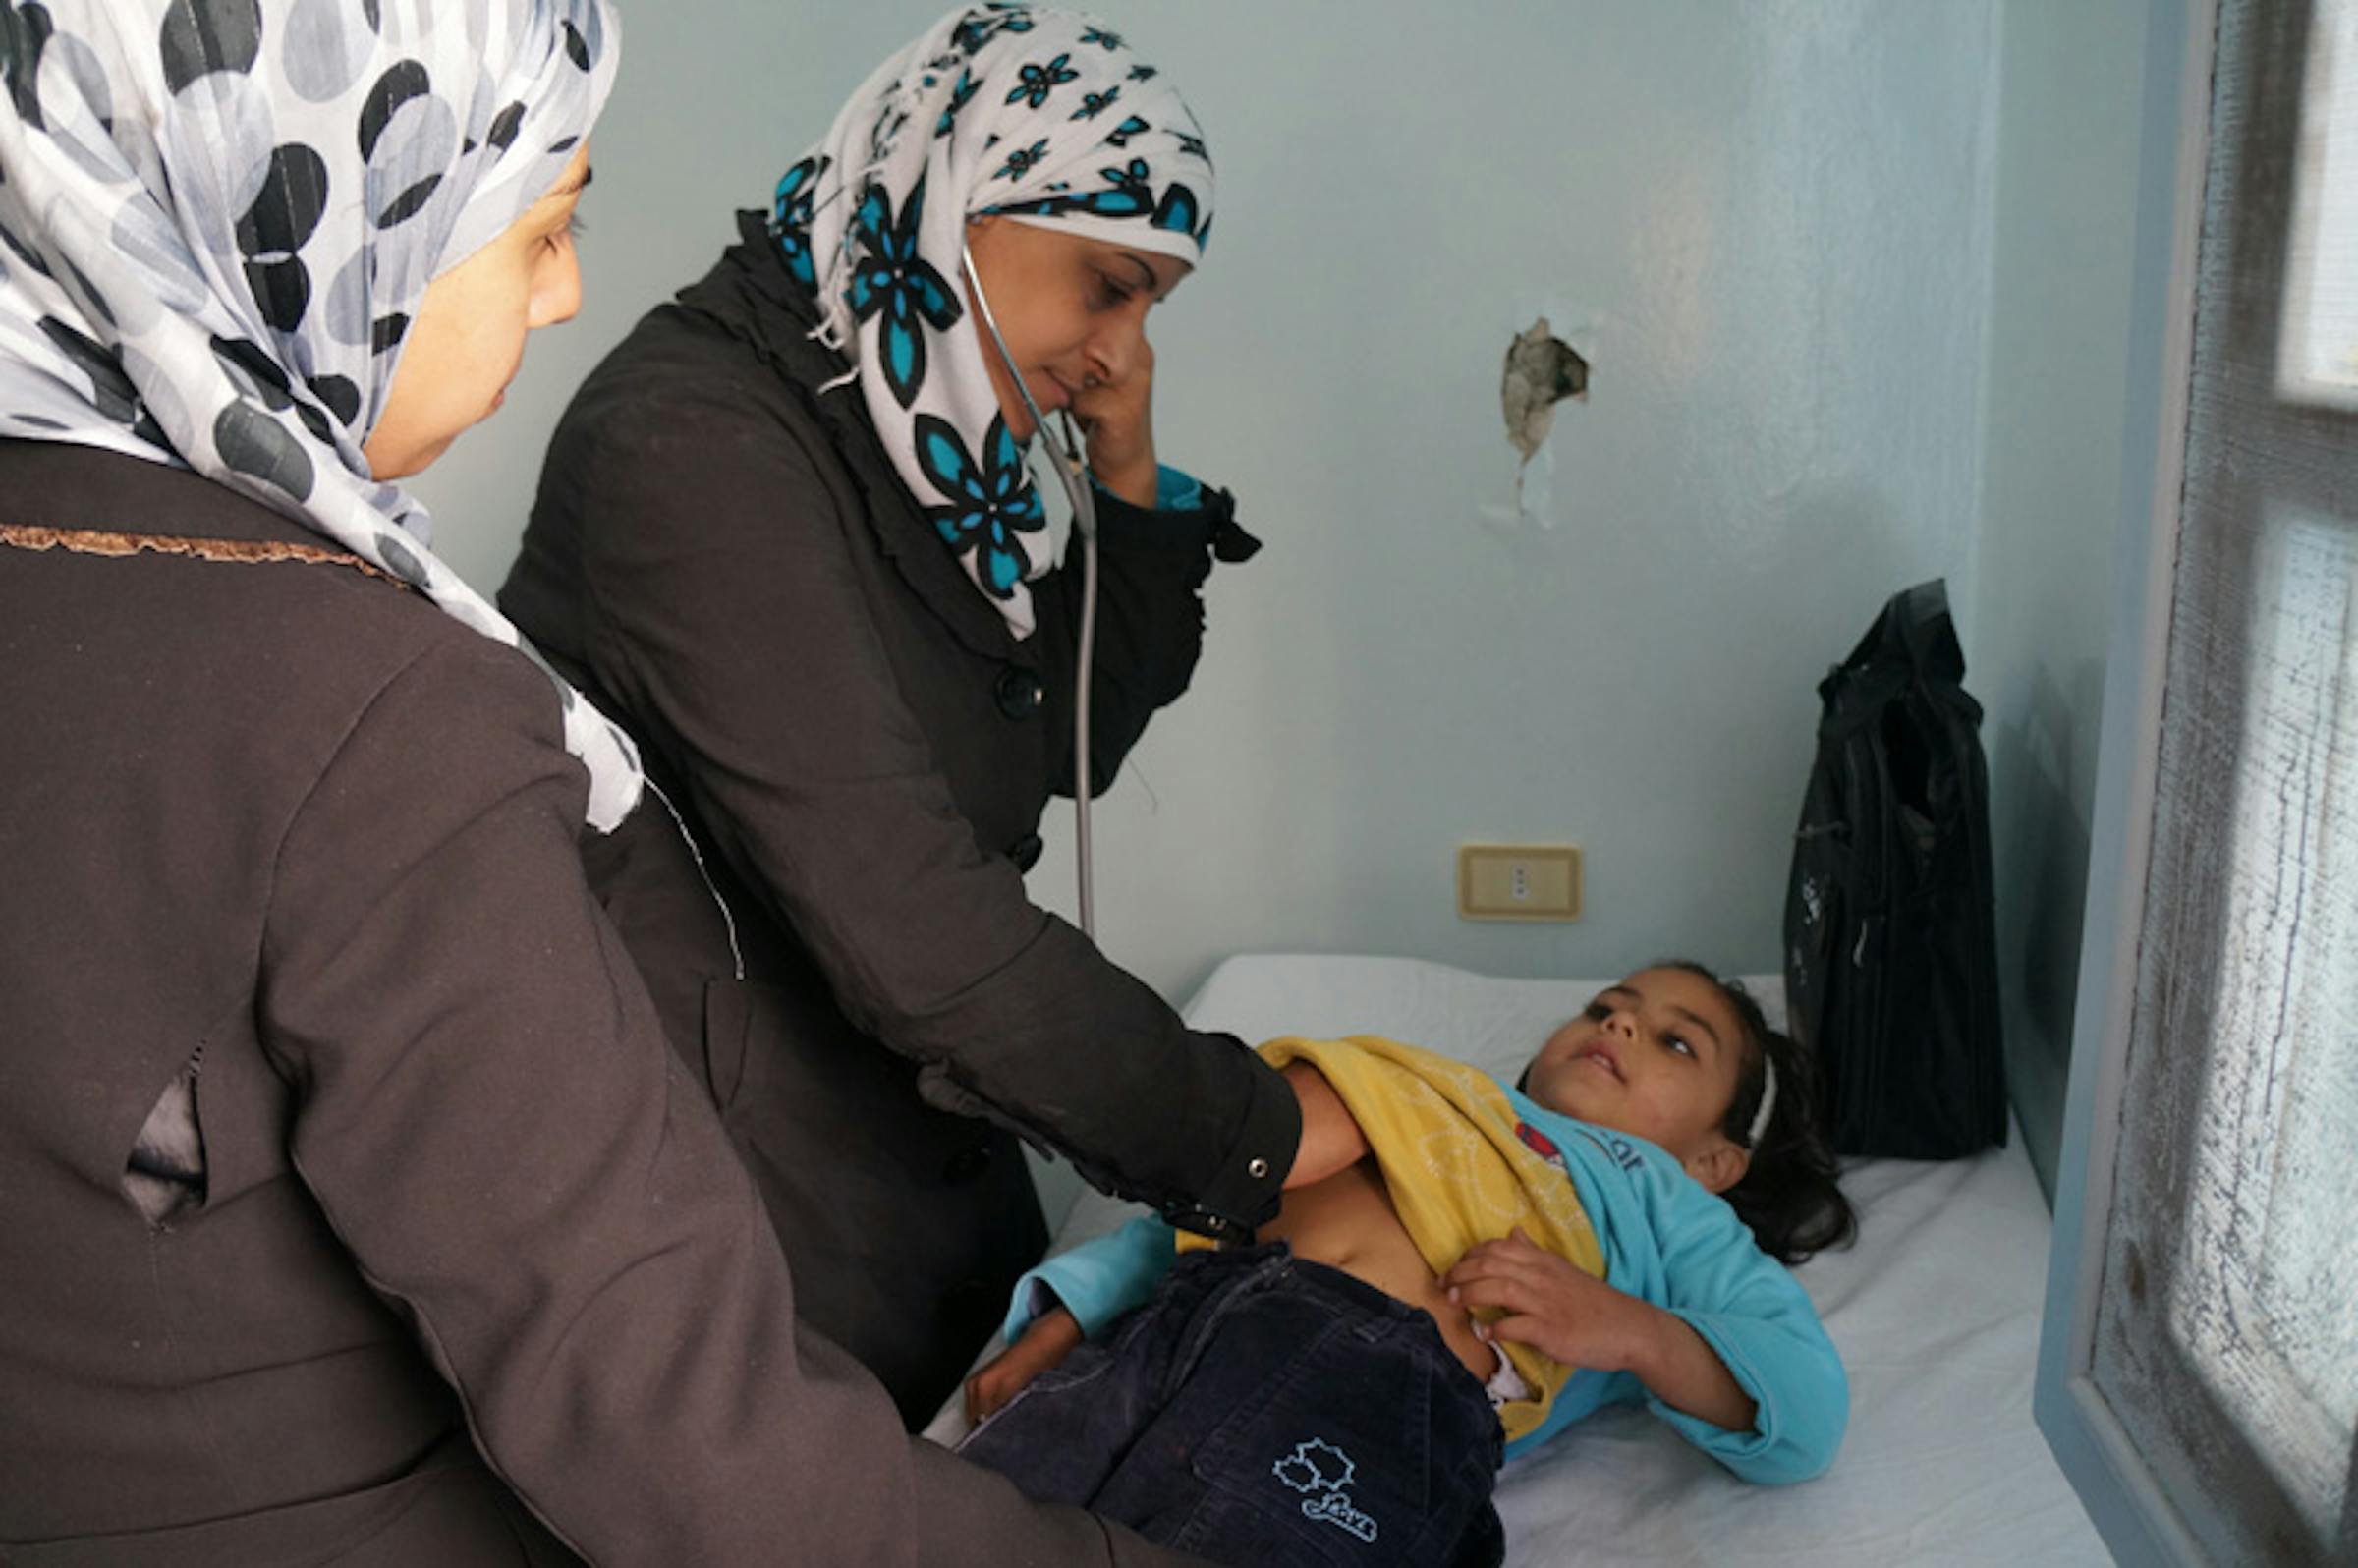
x: 1041, y: 116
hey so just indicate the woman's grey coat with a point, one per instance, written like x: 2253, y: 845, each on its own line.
x: 472, y: 1276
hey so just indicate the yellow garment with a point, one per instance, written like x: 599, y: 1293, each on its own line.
x: 1443, y: 1135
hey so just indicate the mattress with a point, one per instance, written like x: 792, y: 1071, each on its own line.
x: 1935, y: 1312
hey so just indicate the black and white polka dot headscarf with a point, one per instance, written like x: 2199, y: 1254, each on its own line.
x: 1043, y: 116
x: 218, y: 216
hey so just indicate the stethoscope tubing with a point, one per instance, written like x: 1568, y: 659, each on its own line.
x: 1066, y: 459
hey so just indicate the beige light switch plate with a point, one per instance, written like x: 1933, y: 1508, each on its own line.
x: 1518, y: 881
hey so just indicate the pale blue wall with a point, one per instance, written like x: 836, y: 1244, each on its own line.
x: 1775, y: 215
x: 1776, y: 218
x: 1786, y: 227
x: 2055, y: 399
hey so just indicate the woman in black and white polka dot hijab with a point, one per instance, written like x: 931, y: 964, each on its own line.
x: 217, y: 221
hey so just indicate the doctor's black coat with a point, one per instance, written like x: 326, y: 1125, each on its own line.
x: 859, y: 751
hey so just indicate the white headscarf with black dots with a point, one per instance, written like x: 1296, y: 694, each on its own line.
x: 218, y: 219
x: 1043, y: 116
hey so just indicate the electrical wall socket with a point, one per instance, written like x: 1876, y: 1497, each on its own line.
x: 1518, y: 881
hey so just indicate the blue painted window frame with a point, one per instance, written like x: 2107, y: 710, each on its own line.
x: 2129, y: 1508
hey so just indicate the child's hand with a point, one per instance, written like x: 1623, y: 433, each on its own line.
x: 1550, y: 1306
x: 1043, y: 1343
x: 1583, y: 1321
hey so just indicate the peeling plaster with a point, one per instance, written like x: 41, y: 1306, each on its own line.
x: 1540, y: 371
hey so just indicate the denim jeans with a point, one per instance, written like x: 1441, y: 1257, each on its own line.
x: 1262, y: 1410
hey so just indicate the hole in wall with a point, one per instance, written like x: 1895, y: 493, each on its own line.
x: 1542, y: 370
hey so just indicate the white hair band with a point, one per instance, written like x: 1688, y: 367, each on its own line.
x: 1760, y: 1118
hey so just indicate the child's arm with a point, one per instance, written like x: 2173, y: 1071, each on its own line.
x: 1076, y: 1294
x: 1101, y: 1279
x: 1331, y: 1140
x: 1764, y: 1329
x: 1701, y: 1267
x: 1045, y: 1343
x: 1582, y: 1322
x: 1062, y: 1301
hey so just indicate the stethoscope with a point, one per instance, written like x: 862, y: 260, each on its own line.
x: 1066, y: 459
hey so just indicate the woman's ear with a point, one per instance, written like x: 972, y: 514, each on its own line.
x: 1721, y: 1165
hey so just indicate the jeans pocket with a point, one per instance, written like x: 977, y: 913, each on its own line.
x: 1333, y: 1459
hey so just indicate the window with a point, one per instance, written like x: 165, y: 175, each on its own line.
x: 2320, y: 355
x: 2200, y: 1373
x: 2261, y: 1299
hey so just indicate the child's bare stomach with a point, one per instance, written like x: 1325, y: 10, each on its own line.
x: 1347, y: 1221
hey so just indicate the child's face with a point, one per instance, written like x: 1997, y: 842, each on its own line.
x: 1658, y: 1057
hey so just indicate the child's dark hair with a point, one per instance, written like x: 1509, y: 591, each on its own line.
x: 1789, y: 1196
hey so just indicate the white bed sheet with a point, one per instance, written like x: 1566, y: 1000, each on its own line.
x: 1935, y: 1312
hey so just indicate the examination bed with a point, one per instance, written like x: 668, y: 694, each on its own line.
x: 1935, y: 1310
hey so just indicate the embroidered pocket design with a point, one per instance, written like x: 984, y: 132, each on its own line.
x: 1321, y: 1472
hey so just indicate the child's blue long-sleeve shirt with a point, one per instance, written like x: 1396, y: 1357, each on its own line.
x: 1666, y: 1240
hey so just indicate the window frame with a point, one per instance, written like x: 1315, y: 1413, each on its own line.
x: 2124, y: 1498
x: 2127, y: 1502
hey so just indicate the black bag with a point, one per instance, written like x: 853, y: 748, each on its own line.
x: 1890, y: 934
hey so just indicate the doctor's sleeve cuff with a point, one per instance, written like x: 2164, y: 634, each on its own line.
x: 1174, y: 490
x: 1241, y: 1195
x: 1098, y: 1281
x: 1188, y: 515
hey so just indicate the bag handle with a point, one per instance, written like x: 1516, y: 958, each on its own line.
x: 1916, y: 630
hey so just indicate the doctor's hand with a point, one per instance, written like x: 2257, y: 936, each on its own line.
x: 1045, y: 1342
x: 1118, y: 419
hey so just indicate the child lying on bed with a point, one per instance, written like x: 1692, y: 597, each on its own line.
x: 1477, y: 1267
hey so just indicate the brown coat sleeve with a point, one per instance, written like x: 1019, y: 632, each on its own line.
x: 727, y: 615
x: 492, y: 1124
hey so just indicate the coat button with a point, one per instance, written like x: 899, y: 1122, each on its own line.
x: 1256, y: 1169
x: 1019, y: 692
x: 1025, y: 851
x: 967, y: 1164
